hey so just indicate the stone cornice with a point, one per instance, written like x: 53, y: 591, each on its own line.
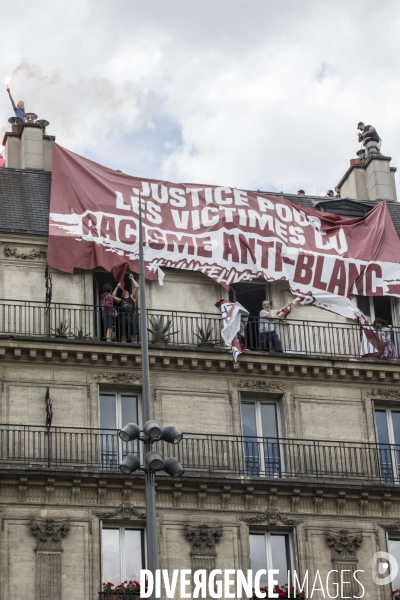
x: 287, y: 367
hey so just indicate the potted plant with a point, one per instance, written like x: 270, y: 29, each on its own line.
x: 61, y: 330
x: 205, y: 336
x: 123, y: 591
x: 396, y: 594
x: 80, y: 335
x: 160, y: 330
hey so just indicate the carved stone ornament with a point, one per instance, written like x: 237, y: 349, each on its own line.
x: 391, y: 526
x: 343, y: 543
x: 259, y: 385
x: 49, y: 533
x: 13, y: 252
x: 125, y: 511
x: 392, y: 394
x: 272, y: 516
x: 203, y: 538
x: 130, y: 378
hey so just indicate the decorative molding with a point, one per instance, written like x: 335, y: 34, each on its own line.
x: 343, y: 544
x: 13, y: 253
x: 49, y: 533
x: 390, y: 394
x: 203, y: 538
x: 112, y: 377
x: 125, y: 511
x: 272, y: 516
x: 395, y: 526
x: 261, y: 385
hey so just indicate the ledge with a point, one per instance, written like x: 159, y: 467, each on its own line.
x: 189, y: 358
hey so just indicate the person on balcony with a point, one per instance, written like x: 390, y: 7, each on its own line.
x: 385, y: 331
x: 126, y: 311
x: 268, y: 335
x: 108, y: 311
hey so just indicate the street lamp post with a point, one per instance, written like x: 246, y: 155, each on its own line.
x: 152, y: 431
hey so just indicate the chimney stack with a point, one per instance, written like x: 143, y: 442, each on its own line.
x: 28, y: 146
x: 370, y: 176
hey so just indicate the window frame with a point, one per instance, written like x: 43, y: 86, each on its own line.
x: 290, y: 551
x: 394, y: 449
x: 122, y: 448
x: 122, y: 548
x: 258, y: 420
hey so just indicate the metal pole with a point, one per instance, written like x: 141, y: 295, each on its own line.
x: 151, y: 518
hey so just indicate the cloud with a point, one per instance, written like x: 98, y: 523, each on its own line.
x: 255, y: 94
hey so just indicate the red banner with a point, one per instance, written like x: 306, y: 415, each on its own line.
x: 229, y: 234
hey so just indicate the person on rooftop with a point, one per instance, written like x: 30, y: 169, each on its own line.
x: 19, y: 109
x: 301, y: 193
x: 330, y: 194
x: 368, y: 133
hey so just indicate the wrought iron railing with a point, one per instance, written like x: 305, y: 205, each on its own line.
x: 82, y: 322
x: 205, y: 454
x: 119, y: 595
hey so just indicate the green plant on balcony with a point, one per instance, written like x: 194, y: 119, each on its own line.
x: 61, y: 331
x: 80, y: 335
x: 160, y: 328
x: 205, y: 336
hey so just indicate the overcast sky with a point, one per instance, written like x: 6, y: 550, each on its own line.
x: 256, y: 94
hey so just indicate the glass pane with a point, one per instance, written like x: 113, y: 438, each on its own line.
x: 111, y: 556
x: 396, y: 426
x: 271, y: 448
x: 280, y: 556
x: 249, y: 419
x: 258, y: 556
x: 381, y: 426
x: 107, y: 412
x: 383, y: 308
x: 363, y: 304
x: 133, y: 553
x: 394, y: 549
x: 250, y: 444
x: 268, y: 420
x: 385, y: 454
x: 129, y: 414
x: 109, y: 455
x: 128, y: 410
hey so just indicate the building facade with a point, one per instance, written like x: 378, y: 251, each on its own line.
x: 291, y: 458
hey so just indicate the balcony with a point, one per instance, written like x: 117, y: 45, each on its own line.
x: 204, y: 455
x: 72, y: 322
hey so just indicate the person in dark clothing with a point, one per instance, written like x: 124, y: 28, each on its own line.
x: 368, y: 134
x: 108, y: 311
x: 126, y: 311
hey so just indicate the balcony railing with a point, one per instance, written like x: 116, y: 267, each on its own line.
x: 205, y: 455
x: 82, y: 322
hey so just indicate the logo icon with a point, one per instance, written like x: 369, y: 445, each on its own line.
x: 387, y: 566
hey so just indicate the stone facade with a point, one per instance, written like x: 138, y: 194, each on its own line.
x: 53, y: 504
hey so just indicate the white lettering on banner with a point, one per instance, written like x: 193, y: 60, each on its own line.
x: 232, y: 235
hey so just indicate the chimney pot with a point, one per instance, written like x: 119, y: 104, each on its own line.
x: 15, y: 123
x: 30, y: 117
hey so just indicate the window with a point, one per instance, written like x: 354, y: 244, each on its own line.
x: 116, y: 410
x: 377, y: 306
x: 261, y: 439
x: 122, y: 554
x: 394, y: 550
x: 388, y: 434
x: 270, y: 551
